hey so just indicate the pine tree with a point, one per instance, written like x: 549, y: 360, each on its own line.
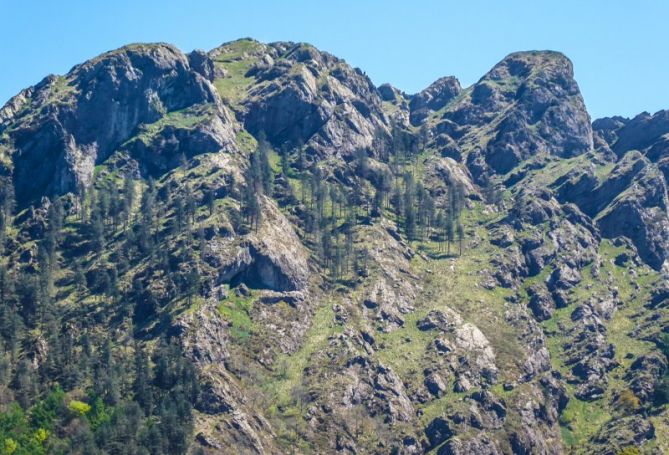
x: 97, y: 231
x: 251, y: 206
x: 129, y: 196
x: 450, y: 233
x: 142, y: 381
x: 263, y: 176
x: 440, y: 222
x: 361, y: 163
x: 409, y: 206
x: 284, y: 160
x: 398, y: 204
x: 461, y: 235
x: 180, y: 214
x: 210, y: 200
x: 377, y: 203
x: 7, y: 203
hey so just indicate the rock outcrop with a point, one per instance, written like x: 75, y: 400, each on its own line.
x: 78, y: 120
x: 527, y: 105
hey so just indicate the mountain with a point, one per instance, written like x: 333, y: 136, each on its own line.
x: 256, y: 250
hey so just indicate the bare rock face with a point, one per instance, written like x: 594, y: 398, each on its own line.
x: 310, y: 97
x: 433, y: 98
x: 607, y: 128
x: 465, y: 353
x: 640, y: 213
x: 527, y: 105
x: 633, y: 197
x: 446, y: 172
x: 629, y: 201
x: 280, y: 259
x: 388, y: 299
x: 625, y: 432
x: 479, y: 444
x: 645, y: 373
x: 157, y: 152
x: 272, y: 258
x: 438, y: 431
x: 78, y: 120
x: 640, y: 133
x: 204, y: 337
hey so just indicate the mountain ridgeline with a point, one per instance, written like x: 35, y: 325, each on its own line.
x: 255, y: 250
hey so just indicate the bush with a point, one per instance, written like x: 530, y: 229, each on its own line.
x: 629, y: 451
x: 79, y: 408
x: 628, y: 401
x: 567, y: 417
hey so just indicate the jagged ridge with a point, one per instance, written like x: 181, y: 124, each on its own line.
x: 543, y: 336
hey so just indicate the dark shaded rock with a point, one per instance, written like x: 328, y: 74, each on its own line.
x: 626, y: 431
x: 608, y: 128
x: 438, y: 431
x: 622, y: 259
x: 640, y: 132
x: 502, y: 237
x: 590, y: 391
x: 564, y: 277
x: 434, y: 320
x: 547, y: 115
x: 645, y: 373
x: 389, y: 93
x: 640, y: 213
x: 88, y: 113
x: 371, y: 304
x: 435, y: 384
x: 490, y: 404
x: 442, y: 345
x: 541, y: 302
x: 659, y: 296
x: 481, y: 444
x: 557, y: 392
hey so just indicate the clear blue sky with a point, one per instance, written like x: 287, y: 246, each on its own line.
x: 620, y: 49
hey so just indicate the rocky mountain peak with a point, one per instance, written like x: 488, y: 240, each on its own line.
x: 433, y: 98
x: 523, y: 64
x: 528, y: 105
x: 296, y: 94
x: 78, y: 120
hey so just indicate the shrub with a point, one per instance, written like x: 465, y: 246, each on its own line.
x: 628, y: 401
x: 79, y: 408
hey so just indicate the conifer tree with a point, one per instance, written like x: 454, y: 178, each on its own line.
x: 361, y: 163
x: 461, y: 235
x: 210, y: 200
x: 409, y: 206
x: 129, y: 196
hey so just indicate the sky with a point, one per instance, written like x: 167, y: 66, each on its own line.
x: 619, y: 48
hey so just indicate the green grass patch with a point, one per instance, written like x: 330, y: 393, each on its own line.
x: 246, y: 142
x: 184, y: 119
x: 290, y: 367
x: 237, y: 311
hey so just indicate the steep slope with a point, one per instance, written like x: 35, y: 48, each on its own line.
x: 255, y: 250
x: 298, y: 95
x: 528, y: 105
x: 68, y: 124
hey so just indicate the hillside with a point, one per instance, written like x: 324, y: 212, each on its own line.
x: 256, y: 250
